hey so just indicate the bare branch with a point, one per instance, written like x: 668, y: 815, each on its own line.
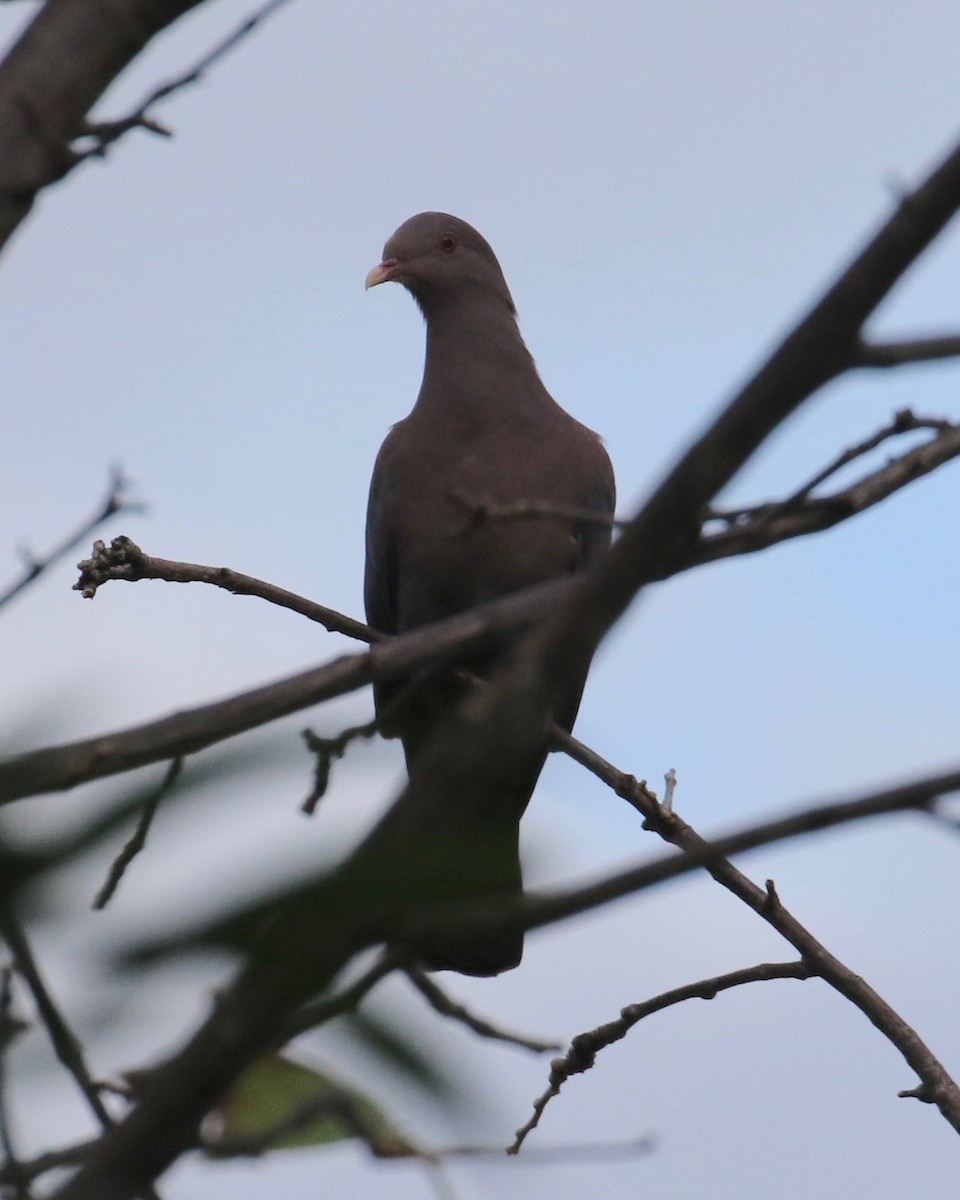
x: 918, y: 795
x: 911, y: 350
x: 751, y: 530
x: 937, y: 1085
x: 822, y: 346
x: 57, y: 768
x: 569, y: 1152
x: 45, y: 132
x: 904, y: 421
x: 105, y: 133
x: 328, y: 750
x: 83, y: 45
x: 124, y: 560
x: 139, y: 838
x: 60, y: 767
x: 534, y: 911
x: 9, y: 1027
x: 438, y: 1000
x: 65, y: 1043
x: 585, y: 1047
x: 115, y: 501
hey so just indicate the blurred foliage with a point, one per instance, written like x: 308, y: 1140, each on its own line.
x: 29, y: 856
x: 40, y: 841
x: 281, y: 1104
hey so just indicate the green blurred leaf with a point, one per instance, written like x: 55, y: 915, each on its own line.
x: 280, y: 1104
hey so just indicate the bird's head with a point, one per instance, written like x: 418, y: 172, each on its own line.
x: 439, y: 258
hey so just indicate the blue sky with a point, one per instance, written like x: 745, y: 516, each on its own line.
x: 666, y: 186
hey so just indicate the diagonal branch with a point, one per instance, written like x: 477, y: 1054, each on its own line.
x: 936, y: 1085
x: 9, y: 1028
x: 56, y: 72
x: 69, y: 54
x: 751, y: 530
x: 585, y: 1047
x: 65, y: 1043
x: 105, y: 133
x: 440, y: 1002
x: 822, y: 346
x: 138, y: 839
x: 318, y: 1012
x: 115, y: 501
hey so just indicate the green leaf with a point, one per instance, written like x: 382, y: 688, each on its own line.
x: 281, y: 1104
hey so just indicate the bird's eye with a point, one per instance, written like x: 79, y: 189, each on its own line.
x: 449, y: 242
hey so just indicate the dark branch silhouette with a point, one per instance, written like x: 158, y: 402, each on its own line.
x: 585, y: 1047
x: 115, y: 501
x: 139, y: 837
x: 65, y: 1042
x: 440, y: 1002
x: 45, y: 132
x: 908, y: 351
x: 104, y: 133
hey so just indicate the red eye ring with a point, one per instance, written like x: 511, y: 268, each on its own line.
x: 448, y: 243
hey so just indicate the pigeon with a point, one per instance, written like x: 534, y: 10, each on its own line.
x: 486, y: 488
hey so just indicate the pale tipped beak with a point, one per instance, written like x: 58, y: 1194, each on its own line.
x: 380, y: 273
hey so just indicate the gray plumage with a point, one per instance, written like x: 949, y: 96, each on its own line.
x: 485, y: 430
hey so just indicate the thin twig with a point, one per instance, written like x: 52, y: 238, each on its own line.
x: 585, y: 1046
x: 904, y: 421
x: 105, y: 133
x: 570, y: 1152
x: 124, y: 560
x: 9, y: 1027
x: 65, y: 1042
x: 139, y: 837
x: 438, y: 1000
x: 750, y: 530
x: 115, y: 501
x: 327, y: 751
x: 936, y: 1085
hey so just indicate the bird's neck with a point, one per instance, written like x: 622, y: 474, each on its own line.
x: 475, y: 354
